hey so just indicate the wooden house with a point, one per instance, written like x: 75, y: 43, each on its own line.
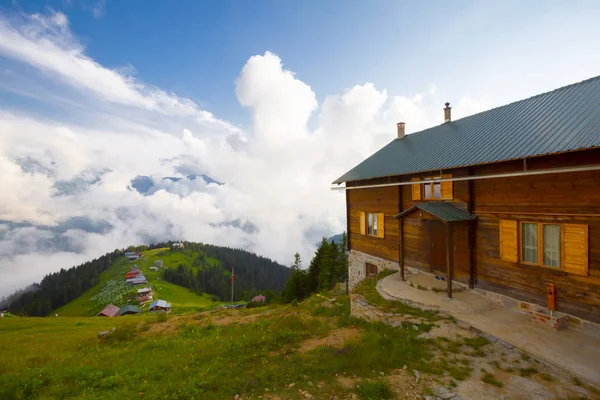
x: 129, y: 309
x: 160, y: 305
x: 506, y: 202
x: 109, y: 311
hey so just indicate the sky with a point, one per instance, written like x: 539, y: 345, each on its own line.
x: 273, y: 100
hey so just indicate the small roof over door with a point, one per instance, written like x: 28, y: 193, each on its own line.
x: 441, y: 210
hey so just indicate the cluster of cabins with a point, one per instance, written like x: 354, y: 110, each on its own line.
x: 157, y: 265
x: 145, y: 295
x: 134, y: 276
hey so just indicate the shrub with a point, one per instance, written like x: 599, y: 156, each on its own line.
x: 374, y: 391
x: 161, y: 317
x: 255, y: 304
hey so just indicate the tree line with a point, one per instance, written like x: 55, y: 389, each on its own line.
x: 328, y: 266
x: 58, y: 288
x: 253, y: 273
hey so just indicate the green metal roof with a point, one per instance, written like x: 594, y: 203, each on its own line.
x: 442, y: 210
x: 564, y: 119
x: 129, y: 308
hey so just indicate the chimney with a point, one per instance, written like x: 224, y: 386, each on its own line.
x: 401, y: 130
x: 447, y: 113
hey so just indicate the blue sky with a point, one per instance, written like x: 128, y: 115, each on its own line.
x: 196, y: 48
x: 276, y: 99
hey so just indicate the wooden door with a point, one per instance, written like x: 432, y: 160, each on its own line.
x: 437, y: 247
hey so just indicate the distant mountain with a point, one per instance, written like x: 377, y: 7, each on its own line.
x: 146, y: 185
x: 337, y: 239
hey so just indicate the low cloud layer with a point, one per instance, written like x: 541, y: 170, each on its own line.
x: 85, y: 150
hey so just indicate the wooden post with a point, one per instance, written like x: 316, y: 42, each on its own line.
x: 401, y: 235
x: 471, y: 240
x: 471, y: 234
x: 450, y: 257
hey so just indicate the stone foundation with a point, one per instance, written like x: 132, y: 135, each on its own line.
x: 357, y: 266
x: 567, y: 321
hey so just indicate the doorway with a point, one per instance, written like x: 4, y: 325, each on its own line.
x: 437, y: 247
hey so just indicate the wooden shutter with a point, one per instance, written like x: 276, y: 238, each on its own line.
x: 576, y: 249
x: 362, y: 223
x: 416, y: 189
x: 380, y: 225
x: 508, y: 241
x: 447, y: 193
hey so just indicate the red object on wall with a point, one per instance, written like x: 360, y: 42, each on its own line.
x: 551, y: 296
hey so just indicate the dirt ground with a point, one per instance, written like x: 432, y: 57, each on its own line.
x: 337, y: 338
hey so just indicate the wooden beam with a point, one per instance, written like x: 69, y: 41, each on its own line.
x: 450, y: 257
x: 347, y: 222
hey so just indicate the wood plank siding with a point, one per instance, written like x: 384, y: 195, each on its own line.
x: 376, y: 200
x: 572, y: 198
x: 565, y: 198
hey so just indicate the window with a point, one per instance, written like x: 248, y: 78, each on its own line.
x: 540, y: 244
x: 529, y: 240
x: 371, y: 270
x: 432, y: 189
x: 556, y: 246
x: 551, y: 245
x: 371, y: 224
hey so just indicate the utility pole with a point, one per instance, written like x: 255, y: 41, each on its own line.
x: 232, y: 278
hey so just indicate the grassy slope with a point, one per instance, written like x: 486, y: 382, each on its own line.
x: 191, y: 357
x: 181, y: 299
x: 197, y: 356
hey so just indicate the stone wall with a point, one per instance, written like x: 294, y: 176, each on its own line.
x: 357, y: 266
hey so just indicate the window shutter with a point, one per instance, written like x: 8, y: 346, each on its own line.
x: 508, y: 241
x: 447, y: 193
x: 362, y: 223
x: 380, y: 225
x: 576, y: 249
x: 416, y: 189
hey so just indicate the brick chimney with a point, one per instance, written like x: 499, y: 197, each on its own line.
x: 401, y: 133
x: 447, y: 113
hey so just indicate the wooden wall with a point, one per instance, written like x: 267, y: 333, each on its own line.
x: 566, y: 197
x: 375, y: 200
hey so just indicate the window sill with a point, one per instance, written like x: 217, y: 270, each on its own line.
x: 558, y: 271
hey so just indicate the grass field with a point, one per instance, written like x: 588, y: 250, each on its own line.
x: 314, y: 350
x: 213, y: 355
x: 182, y: 300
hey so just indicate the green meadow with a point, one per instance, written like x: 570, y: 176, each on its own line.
x: 211, y: 355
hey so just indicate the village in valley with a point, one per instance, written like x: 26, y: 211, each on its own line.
x: 145, y: 295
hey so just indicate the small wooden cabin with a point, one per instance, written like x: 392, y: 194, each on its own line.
x: 506, y: 201
x: 109, y: 311
x: 160, y: 305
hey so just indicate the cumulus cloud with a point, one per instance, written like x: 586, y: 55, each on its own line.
x: 68, y: 191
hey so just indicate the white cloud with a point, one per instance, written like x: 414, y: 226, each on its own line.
x: 276, y: 199
x: 45, y: 42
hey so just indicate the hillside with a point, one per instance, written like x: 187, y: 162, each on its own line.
x: 314, y: 350
x: 191, y: 278
x: 182, y: 299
